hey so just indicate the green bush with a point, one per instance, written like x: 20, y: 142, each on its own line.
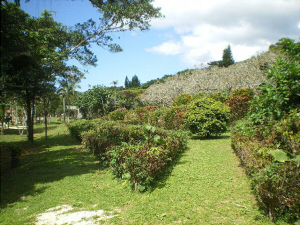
x: 239, y: 107
x: 109, y: 133
x: 206, y: 117
x: 76, y: 128
x: 221, y: 96
x: 242, y: 92
x: 270, y: 155
x: 136, y: 153
x: 118, y: 114
x: 278, y: 189
x: 141, y: 163
x: 183, y: 99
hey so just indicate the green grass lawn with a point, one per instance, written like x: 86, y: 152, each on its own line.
x: 206, y: 185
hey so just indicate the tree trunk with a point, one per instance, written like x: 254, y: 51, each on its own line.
x: 30, y: 117
x: 64, y: 105
x: 46, y: 123
x: 45, y: 117
x: 2, y: 120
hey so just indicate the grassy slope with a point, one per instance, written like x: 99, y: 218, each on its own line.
x: 206, y: 186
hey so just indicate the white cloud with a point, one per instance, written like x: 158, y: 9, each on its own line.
x: 204, y: 28
x: 167, y: 48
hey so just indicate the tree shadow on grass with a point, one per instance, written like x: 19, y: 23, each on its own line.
x: 225, y: 136
x: 44, y: 166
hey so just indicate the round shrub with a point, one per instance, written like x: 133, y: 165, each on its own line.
x: 206, y: 117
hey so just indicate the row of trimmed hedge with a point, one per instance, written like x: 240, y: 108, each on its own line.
x: 202, y: 115
x: 135, y: 153
x: 167, y: 118
x: 270, y: 155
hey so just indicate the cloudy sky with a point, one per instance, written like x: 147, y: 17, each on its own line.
x: 192, y: 33
x: 200, y: 29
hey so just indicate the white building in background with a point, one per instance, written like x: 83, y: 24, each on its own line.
x: 72, y: 107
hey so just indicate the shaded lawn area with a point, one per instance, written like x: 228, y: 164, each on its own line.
x: 206, y: 186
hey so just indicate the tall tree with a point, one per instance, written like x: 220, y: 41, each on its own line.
x: 135, y: 82
x: 127, y: 82
x: 227, y: 58
x: 95, y: 102
x: 31, y: 54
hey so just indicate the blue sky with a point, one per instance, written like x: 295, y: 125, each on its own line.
x: 192, y: 33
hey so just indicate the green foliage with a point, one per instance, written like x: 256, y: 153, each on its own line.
x: 78, y: 127
x: 281, y: 94
x: 95, y: 102
x: 118, y: 114
x: 206, y: 117
x: 221, y: 96
x: 136, y: 153
x: 142, y: 163
x: 242, y: 92
x: 227, y: 58
x: 129, y: 99
x: 134, y: 83
x: 270, y: 154
x: 183, y: 99
x: 166, y: 118
x: 277, y: 186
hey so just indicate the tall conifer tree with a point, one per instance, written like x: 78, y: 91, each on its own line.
x: 227, y: 59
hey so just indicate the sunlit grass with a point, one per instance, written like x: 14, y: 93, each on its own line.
x: 206, y: 186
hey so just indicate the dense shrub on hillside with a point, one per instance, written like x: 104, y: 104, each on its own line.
x: 238, y: 102
x: 169, y: 118
x: 206, y: 117
x: 245, y: 74
x: 221, y: 96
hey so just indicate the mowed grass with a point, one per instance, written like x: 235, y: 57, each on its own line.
x: 206, y: 186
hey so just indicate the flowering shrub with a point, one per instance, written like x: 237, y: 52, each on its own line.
x: 239, y: 107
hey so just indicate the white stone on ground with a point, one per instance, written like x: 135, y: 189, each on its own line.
x: 59, y: 215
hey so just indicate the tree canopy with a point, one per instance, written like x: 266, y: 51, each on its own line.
x: 35, y: 51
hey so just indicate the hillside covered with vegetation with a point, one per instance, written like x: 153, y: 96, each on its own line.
x: 246, y: 74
